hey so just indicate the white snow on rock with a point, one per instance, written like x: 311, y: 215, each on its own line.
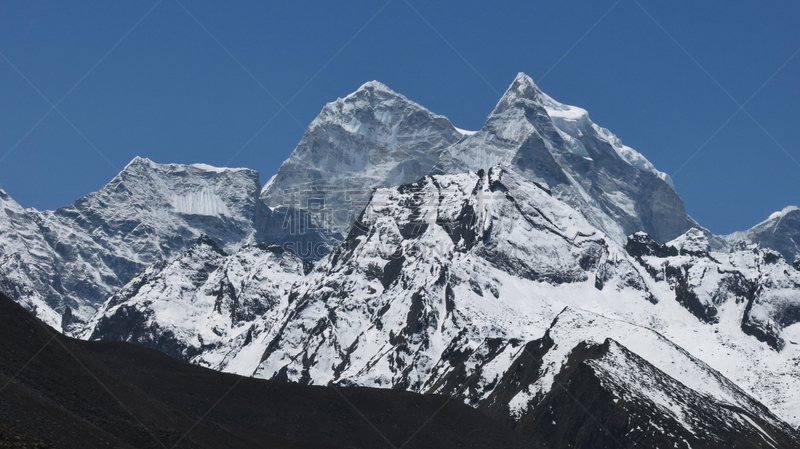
x: 420, y: 282
x: 202, y: 305
x: 65, y: 263
x: 558, y: 146
x: 469, y: 247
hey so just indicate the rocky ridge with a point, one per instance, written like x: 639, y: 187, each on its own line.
x: 457, y: 281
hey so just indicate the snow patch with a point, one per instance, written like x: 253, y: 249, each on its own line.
x: 781, y: 213
x: 465, y: 132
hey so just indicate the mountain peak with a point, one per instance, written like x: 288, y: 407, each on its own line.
x: 524, y: 86
x: 373, y: 137
x: 524, y: 79
x: 374, y: 92
x: 522, y: 91
x: 780, y: 232
x: 366, y: 99
x: 375, y: 85
x: 782, y: 213
x: 139, y: 161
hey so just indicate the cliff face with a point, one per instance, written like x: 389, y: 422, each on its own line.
x: 69, y: 261
x: 451, y: 262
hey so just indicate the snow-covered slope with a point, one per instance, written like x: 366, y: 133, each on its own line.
x: 27, y: 262
x: 749, y: 303
x: 443, y: 281
x: 591, y: 381
x: 371, y: 138
x: 533, y: 256
x: 385, y: 305
x: 203, y: 305
x: 585, y: 165
x: 751, y: 288
x: 453, y: 264
x: 781, y: 232
x: 64, y: 263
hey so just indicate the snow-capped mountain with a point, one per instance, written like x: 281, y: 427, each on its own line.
x: 28, y: 272
x: 527, y: 269
x: 752, y: 288
x: 667, y: 398
x: 442, y: 282
x: 453, y: 262
x: 203, y: 305
x: 371, y: 138
x: 584, y: 165
x: 65, y: 263
x: 781, y: 232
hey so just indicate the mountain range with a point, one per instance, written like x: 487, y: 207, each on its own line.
x: 537, y: 270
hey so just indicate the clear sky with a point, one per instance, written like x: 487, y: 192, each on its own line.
x: 663, y: 76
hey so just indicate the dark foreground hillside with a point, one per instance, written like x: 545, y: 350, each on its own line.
x: 57, y: 392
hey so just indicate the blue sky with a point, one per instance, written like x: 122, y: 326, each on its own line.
x: 166, y: 89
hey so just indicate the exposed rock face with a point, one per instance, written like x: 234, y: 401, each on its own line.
x: 580, y: 386
x: 443, y: 283
x: 755, y: 284
x: 74, y: 258
x: 202, y: 306
x: 780, y: 232
x: 372, y: 138
x: 28, y: 267
x: 585, y: 165
x: 540, y: 252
